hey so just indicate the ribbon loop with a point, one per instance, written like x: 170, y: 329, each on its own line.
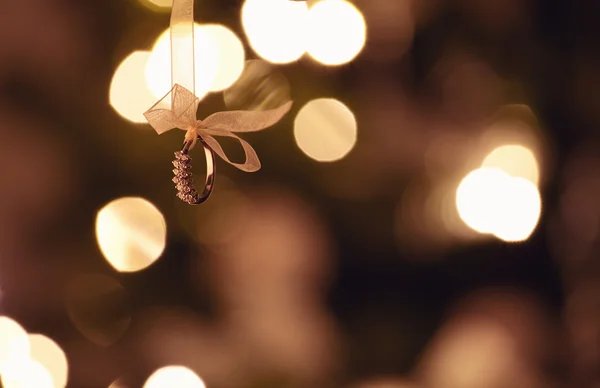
x: 176, y: 109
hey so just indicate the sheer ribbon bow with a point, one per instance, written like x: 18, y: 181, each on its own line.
x: 182, y: 114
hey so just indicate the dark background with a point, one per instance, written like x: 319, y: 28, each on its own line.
x: 65, y: 153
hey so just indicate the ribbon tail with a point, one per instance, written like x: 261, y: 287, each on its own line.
x: 252, y: 163
x: 245, y: 121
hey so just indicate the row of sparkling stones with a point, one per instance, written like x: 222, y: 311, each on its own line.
x: 183, y: 178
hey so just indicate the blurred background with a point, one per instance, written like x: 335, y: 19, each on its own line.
x: 427, y: 214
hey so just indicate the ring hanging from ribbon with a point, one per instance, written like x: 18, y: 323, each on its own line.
x: 177, y: 109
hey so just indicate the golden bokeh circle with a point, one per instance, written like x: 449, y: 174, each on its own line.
x: 131, y: 233
x: 325, y: 129
x: 260, y: 87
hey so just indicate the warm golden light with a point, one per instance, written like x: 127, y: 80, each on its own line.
x: 336, y: 32
x: 45, y: 351
x: 472, y: 353
x: 276, y: 29
x: 325, y: 130
x: 28, y: 374
x: 519, y: 211
x: 219, y: 60
x: 129, y: 95
x: 158, y: 69
x: 131, y: 233
x: 515, y: 160
x: 117, y: 384
x: 478, y: 196
x: 159, y: 5
x: 14, y: 344
x: 490, y: 201
x: 259, y: 87
x: 229, y: 54
x: 174, y: 376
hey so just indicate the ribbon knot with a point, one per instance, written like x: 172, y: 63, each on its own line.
x: 177, y: 109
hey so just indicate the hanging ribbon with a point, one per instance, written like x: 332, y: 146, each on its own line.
x: 177, y: 109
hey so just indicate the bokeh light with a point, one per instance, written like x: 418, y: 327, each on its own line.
x: 117, y: 384
x: 520, y: 211
x: 174, y: 376
x: 158, y: 69
x: 218, y: 59
x: 28, y: 374
x: 14, y: 344
x: 180, y: 336
x: 45, y: 351
x: 230, y: 55
x: 476, y: 353
x: 478, y: 196
x: 493, y: 338
x: 157, y: 5
x: 515, y: 160
x: 336, y: 32
x: 427, y: 220
x: 129, y: 94
x: 276, y: 29
x: 131, y: 233
x: 490, y: 201
x: 259, y: 87
x: 325, y: 130
x: 98, y: 307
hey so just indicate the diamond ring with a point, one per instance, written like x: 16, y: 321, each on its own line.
x: 183, y: 179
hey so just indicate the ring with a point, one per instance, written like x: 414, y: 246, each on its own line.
x: 184, y: 181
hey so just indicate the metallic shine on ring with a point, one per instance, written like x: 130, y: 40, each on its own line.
x: 184, y: 181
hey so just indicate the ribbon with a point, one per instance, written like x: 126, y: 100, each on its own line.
x: 177, y: 109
